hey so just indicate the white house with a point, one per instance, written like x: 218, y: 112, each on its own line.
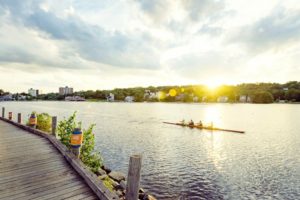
x: 129, y: 99
x: 150, y: 95
x: 180, y: 97
x: 110, y: 97
x: 222, y: 99
x: 245, y: 98
x: 195, y: 99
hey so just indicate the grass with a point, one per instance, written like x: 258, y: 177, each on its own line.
x: 108, y: 183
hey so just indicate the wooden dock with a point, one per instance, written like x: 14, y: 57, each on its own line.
x: 32, y: 168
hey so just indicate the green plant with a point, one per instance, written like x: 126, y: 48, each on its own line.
x: 44, y: 122
x: 108, y: 183
x: 88, y: 155
x: 65, y: 129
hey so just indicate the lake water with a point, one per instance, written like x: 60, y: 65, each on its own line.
x: 184, y: 163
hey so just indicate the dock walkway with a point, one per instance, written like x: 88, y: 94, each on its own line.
x: 32, y: 168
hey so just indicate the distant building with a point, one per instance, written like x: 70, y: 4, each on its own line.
x: 8, y: 97
x: 21, y: 97
x: 222, y: 99
x: 180, y: 97
x: 129, y: 99
x: 65, y: 90
x: 33, y: 92
x: 195, y: 99
x: 150, y: 95
x: 245, y: 99
x: 285, y: 89
x: 110, y: 97
x: 74, y: 98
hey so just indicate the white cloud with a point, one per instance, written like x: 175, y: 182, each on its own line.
x: 107, y: 44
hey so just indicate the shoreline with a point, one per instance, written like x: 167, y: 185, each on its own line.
x: 177, y: 102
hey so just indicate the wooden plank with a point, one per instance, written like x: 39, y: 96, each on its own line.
x: 36, y: 178
x: 19, y: 142
x: 43, y: 192
x: 17, y: 167
x: 67, y: 193
x: 28, y: 154
x: 33, y: 147
x: 45, y: 184
x: 26, y: 158
x: 33, y: 167
x: 85, y: 195
x: 25, y: 153
x: 21, y: 138
x: 37, y: 167
x: 89, y: 198
x: 25, y: 150
x: 40, y: 157
x: 13, y: 146
x: 53, y: 178
x: 5, y: 177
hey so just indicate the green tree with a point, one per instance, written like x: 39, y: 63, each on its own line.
x: 293, y: 95
x: 263, y: 97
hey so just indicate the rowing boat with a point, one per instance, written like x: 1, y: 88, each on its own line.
x: 204, y: 127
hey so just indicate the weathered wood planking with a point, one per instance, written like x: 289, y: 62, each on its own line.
x: 31, y: 168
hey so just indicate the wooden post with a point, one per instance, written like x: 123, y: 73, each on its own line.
x: 19, y: 118
x: 76, y: 141
x: 3, y: 112
x: 54, y: 123
x: 133, y: 178
x: 10, y: 115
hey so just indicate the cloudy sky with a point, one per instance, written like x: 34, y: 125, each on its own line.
x: 105, y: 44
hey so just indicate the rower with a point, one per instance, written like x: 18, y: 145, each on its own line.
x: 191, y: 123
x: 182, y: 121
x: 211, y: 125
x: 200, y: 123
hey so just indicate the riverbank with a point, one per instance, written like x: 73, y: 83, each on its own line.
x: 177, y: 102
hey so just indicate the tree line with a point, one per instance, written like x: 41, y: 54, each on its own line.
x: 257, y: 92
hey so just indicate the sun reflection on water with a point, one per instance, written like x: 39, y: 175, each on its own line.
x: 215, y: 139
x: 212, y: 114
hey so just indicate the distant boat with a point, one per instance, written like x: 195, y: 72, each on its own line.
x: 204, y: 127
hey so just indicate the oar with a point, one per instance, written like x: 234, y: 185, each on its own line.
x: 229, y: 130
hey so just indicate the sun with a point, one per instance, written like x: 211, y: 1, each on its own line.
x: 213, y: 84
